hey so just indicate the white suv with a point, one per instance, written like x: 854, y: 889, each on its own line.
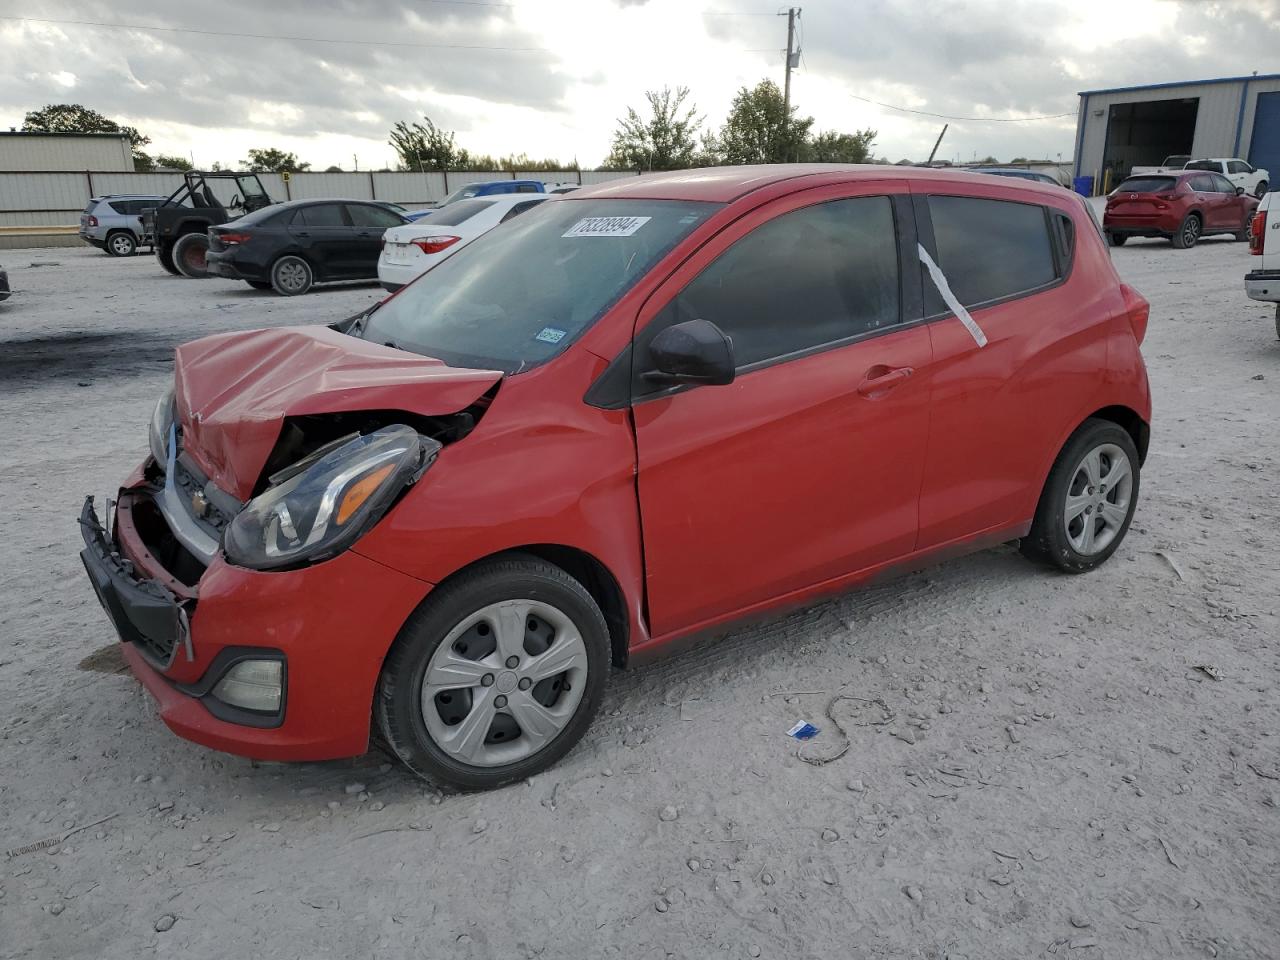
x: 1264, y: 241
x: 1253, y: 180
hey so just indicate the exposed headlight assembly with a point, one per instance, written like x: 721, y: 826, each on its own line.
x: 323, y: 504
x: 161, y: 426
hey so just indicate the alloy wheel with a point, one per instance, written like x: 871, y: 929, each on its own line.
x: 1098, y: 499
x: 121, y: 245
x: 504, y: 683
x: 1191, y: 230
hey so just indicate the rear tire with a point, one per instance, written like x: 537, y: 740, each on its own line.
x: 1188, y: 233
x: 1117, y: 239
x: 121, y: 243
x: 1088, y: 500
x: 499, y: 712
x: 165, y: 255
x: 291, y: 276
x: 189, y: 255
x: 259, y: 284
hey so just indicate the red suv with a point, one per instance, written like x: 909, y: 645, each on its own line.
x: 623, y: 420
x: 1182, y: 207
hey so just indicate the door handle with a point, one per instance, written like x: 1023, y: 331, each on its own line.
x: 302, y: 233
x: 881, y: 379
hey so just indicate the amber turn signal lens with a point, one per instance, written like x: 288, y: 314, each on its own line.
x: 360, y: 491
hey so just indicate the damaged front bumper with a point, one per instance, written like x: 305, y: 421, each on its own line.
x: 328, y: 626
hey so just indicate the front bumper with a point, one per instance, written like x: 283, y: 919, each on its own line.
x: 331, y: 624
x: 1263, y: 285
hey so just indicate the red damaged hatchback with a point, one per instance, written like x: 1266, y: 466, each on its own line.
x: 625, y: 419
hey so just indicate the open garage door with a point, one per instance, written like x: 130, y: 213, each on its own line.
x: 1264, y: 145
x: 1143, y: 134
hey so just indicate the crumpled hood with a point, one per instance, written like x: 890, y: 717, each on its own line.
x: 234, y: 391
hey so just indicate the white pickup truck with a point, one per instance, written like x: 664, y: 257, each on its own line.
x: 1264, y: 241
x: 1172, y: 164
x: 1242, y: 175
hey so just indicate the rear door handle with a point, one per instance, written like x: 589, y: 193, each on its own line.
x: 881, y: 379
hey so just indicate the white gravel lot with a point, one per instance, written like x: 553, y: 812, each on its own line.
x: 1058, y: 779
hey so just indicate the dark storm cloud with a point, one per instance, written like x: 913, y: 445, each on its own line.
x: 215, y: 81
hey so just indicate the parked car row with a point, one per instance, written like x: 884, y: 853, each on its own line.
x: 1253, y: 180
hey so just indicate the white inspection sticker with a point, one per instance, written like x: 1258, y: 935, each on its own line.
x: 956, y: 307
x: 606, y: 227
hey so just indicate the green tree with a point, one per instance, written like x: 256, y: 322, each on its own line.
x: 334, y: 168
x: 272, y: 160
x: 666, y: 140
x: 832, y: 147
x: 164, y: 161
x: 760, y: 129
x: 77, y: 118
x: 427, y: 147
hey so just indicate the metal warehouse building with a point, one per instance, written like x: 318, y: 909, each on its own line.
x: 1139, y: 126
x: 44, y: 152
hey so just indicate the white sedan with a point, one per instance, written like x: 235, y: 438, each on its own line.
x: 412, y: 250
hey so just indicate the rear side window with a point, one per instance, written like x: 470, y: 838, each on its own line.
x: 456, y: 213
x: 991, y: 249
x: 518, y: 209
x: 1147, y: 185
x: 321, y: 215
x: 806, y: 278
x: 526, y: 188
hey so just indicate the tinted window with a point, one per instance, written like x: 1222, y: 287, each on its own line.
x: 518, y: 209
x: 1238, y: 166
x: 321, y: 215
x: 456, y: 213
x: 371, y: 216
x: 1222, y: 184
x: 1201, y: 183
x: 809, y: 277
x: 1203, y: 165
x: 991, y: 249
x: 516, y: 297
x: 1147, y: 185
x: 526, y: 188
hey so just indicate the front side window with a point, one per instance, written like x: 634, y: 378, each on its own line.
x: 991, y: 249
x: 1238, y: 166
x: 810, y: 277
x: 516, y: 297
x: 1222, y: 184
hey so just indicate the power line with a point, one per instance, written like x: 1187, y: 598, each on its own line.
x: 944, y: 116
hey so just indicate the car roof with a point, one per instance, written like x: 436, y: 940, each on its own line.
x: 726, y: 184
x: 131, y: 196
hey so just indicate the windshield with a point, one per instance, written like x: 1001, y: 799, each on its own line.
x: 462, y: 193
x: 523, y: 292
x: 1147, y: 185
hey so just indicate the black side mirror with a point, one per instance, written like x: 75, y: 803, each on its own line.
x: 1239, y: 191
x: 696, y: 351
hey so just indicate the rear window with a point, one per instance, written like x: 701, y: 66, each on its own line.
x: 1148, y: 185
x: 456, y: 213
x: 1203, y: 165
x: 991, y: 249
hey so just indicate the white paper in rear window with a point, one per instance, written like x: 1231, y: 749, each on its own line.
x: 606, y: 227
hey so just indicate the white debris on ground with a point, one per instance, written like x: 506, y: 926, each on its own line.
x: 1061, y: 776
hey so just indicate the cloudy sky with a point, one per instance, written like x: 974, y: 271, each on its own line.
x: 327, y: 78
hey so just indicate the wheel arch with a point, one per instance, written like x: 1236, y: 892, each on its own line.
x: 1131, y: 422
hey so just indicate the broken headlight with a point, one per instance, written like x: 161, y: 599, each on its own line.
x: 324, y: 503
x: 161, y: 427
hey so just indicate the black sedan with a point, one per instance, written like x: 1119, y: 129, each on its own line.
x: 291, y: 246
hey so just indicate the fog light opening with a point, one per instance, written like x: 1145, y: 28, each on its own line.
x: 255, y: 685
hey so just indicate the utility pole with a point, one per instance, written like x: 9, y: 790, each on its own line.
x: 937, y: 143
x: 792, y: 13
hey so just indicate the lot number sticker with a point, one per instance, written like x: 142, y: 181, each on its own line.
x: 606, y: 227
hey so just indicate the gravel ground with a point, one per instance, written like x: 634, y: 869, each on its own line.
x: 1039, y: 765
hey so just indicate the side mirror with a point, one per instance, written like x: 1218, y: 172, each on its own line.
x: 1239, y: 191
x: 696, y: 351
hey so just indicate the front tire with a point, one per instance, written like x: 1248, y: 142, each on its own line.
x: 1088, y: 501
x: 121, y: 244
x: 189, y: 255
x: 291, y: 276
x: 496, y: 676
x: 1188, y: 233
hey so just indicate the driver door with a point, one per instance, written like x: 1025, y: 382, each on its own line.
x: 808, y: 466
